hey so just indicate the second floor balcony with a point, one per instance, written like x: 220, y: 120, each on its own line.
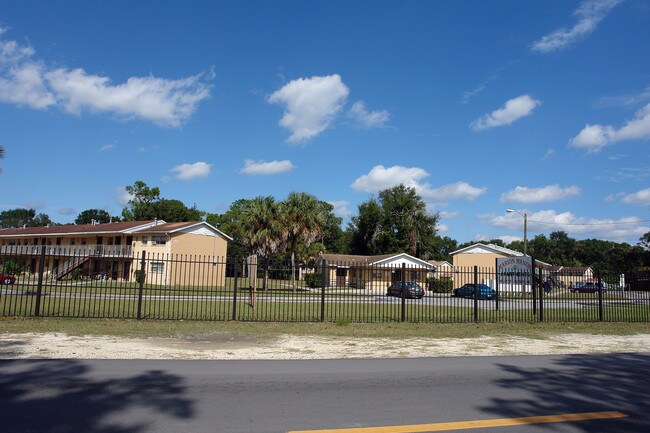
x: 93, y: 250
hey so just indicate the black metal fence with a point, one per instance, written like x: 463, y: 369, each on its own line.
x: 62, y: 283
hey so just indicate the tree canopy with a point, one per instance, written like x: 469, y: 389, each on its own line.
x: 23, y: 217
x: 396, y: 221
x: 146, y: 204
x: 99, y: 215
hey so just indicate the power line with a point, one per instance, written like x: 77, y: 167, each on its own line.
x: 551, y: 223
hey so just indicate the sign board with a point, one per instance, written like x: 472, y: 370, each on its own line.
x: 515, y: 270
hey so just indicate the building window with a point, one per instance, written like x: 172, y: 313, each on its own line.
x: 157, y: 267
x: 415, y: 275
x: 159, y: 240
x: 73, y: 241
x: 83, y: 241
x: 377, y: 274
x: 145, y: 239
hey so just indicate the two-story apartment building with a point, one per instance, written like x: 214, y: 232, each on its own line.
x: 112, y: 249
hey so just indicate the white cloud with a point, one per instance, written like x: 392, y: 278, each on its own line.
x: 509, y: 239
x: 523, y: 194
x: 513, y: 110
x: 266, y: 168
x: 639, y: 198
x: 624, y: 100
x: 365, y: 118
x: 546, y: 221
x: 192, y: 171
x: 26, y: 81
x: 594, y: 137
x: 107, y: 147
x: 122, y: 196
x: 21, y: 79
x: 165, y: 102
x: 341, y: 208
x: 549, y: 153
x: 380, y: 178
x: 448, y: 215
x: 311, y: 104
x: 589, y: 14
x: 452, y: 191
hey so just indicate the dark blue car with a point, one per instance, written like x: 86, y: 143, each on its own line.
x: 411, y: 290
x: 467, y: 291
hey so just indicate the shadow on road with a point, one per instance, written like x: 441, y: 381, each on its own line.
x: 61, y: 396
x: 580, y: 383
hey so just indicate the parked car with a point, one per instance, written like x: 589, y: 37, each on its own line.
x: 467, y: 291
x: 7, y: 279
x: 586, y: 287
x: 411, y: 290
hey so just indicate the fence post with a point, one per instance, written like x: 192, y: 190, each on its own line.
x: 541, y: 297
x: 403, y: 315
x: 39, y: 288
x: 600, y: 296
x: 141, y: 278
x: 234, y: 289
x: 533, y: 286
x: 322, y: 292
x: 475, y: 293
x: 496, y: 283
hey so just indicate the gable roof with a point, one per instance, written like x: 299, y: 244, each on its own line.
x: 170, y: 228
x: 488, y: 248
x: 378, y: 260
x: 69, y: 229
x: 480, y: 248
x: 571, y: 270
x: 438, y: 263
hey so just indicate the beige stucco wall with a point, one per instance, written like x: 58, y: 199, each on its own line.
x: 464, y: 267
x: 187, y: 259
x: 482, y: 260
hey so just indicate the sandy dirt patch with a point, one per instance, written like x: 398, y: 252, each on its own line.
x: 234, y: 346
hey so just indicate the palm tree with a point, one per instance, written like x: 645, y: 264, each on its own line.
x: 262, y: 228
x: 303, y: 221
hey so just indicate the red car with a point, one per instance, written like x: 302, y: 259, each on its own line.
x: 7, y: 279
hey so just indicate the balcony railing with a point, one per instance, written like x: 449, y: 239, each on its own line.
x: 69, y: 250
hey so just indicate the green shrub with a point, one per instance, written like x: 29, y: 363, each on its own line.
x: 342, y: 321
x: 440, y: 285
x: 76, y: 274
x: 313, y: 280
x: 139, y: 276
x: 12, y: 268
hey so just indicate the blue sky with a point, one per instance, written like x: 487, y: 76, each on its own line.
x: 541, y: 107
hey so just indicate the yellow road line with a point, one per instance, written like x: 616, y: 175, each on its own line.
x: 462, y: 425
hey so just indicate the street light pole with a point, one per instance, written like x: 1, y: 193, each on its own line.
x: 525, y: 228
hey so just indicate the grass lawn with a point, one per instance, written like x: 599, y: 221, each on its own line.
x: 396, y: 330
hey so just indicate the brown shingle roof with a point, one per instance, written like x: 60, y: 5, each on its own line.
x: 117, y: 227
x: 168, y: 227
x: 348, y: 258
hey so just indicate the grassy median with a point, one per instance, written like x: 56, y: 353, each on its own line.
x: 397, y: 330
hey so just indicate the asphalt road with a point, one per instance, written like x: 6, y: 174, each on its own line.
x: 281, y: 396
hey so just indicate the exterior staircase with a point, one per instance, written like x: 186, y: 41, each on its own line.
x: 70, y: 266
